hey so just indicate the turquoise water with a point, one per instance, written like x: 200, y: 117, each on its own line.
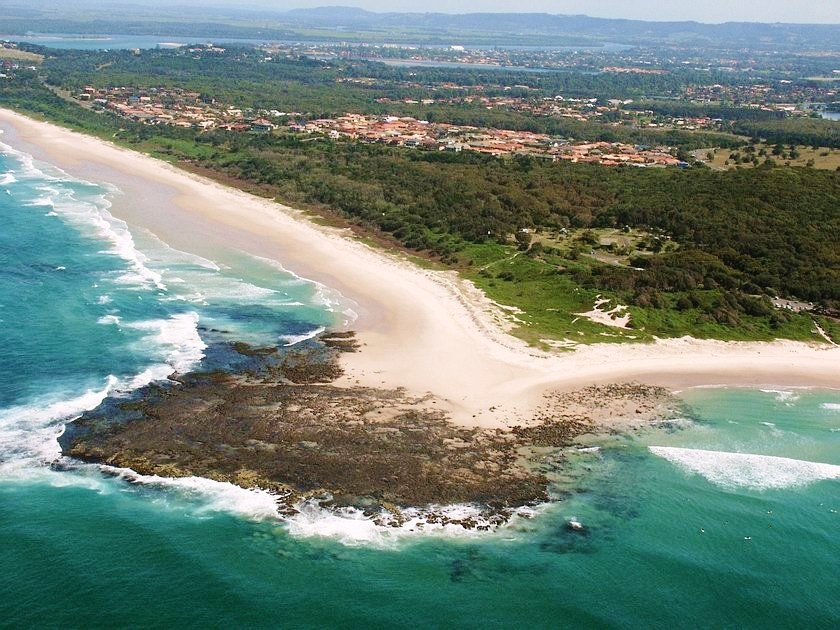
x: 88, y: 307
x: 728, y: 518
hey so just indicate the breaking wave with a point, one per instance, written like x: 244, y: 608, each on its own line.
x: 746, y: 470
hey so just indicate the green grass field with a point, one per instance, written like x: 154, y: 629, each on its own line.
x: 20, y: 55
x: 822, y: 158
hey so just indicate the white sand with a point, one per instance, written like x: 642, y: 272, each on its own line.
x: 617, y: 317
x: 421, y: 330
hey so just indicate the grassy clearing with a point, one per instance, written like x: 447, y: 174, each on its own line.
x: 20, y: 55
x: 548, y: 302
x: 821, y: 157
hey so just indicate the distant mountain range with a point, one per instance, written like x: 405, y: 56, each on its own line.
x: 618, y: 30
x: 254, y: 19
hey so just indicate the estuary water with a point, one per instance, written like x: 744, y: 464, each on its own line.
x: 725, y: 518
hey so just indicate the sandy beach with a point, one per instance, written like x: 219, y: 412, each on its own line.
x: 425, y: 331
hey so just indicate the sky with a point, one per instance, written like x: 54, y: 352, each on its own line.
x: 712, y: 11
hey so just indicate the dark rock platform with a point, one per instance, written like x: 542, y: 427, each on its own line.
x: 273, y: 419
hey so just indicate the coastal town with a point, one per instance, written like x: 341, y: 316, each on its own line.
x: 410, y: 132
x: 412, y: 112
x: 184, y: 108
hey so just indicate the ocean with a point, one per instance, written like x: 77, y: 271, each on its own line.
x: 728, y: 517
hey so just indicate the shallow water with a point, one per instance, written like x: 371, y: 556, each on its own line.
x: 726, y: 518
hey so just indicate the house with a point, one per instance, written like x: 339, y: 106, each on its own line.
x: 261, y: 125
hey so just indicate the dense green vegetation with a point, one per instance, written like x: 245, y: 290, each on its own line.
x: 703, y: 252
x: 805, y: 131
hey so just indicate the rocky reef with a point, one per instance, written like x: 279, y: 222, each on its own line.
x: 273, y: 419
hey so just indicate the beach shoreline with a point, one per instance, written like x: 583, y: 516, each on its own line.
x: 425, y: 331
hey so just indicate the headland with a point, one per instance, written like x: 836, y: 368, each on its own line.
x: 427, y: 334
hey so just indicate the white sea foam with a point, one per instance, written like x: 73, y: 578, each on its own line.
x: 207, y: 495
x: 109, y: 320
x: 831, y: 406
x: 335, y: 302
x: 122, y: 245
x: 29, y: 432
x: 783, y: 396
x: 88, y: 210
x: 290, y: 340
x: 220, y: 288
x: 26, y: 162
x: 157, y: 372
x: 352, y: 527
x: 205, y: 289
x: 45, y: 201
x: 746, y: 470
x: 176, y: 340
x: 85, y: 206
x: 348, y: 526
x: 181, y: 257
x: 330, y: 298
x: 7, y: 178
x: 84, y: 475
x: 275, y: 264
x: 198, y: 279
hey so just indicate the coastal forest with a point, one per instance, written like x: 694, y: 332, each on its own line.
x: 740, y: 253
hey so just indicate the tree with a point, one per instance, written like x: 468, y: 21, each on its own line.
x: 523, y: 239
